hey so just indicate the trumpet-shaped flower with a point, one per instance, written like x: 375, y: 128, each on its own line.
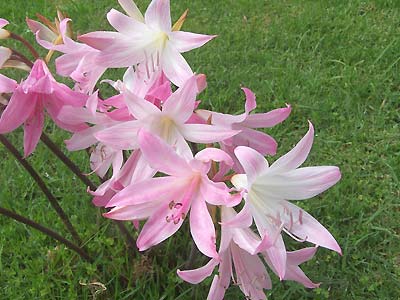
x: 166, y: 201
x: 246, y: 123
x: 170, y: 123
x: 269, y: 187
x: 234, y: 257
x: 147, y: 40
x: 40, y: 90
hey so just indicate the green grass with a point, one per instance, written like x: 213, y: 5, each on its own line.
x: 336, y: 63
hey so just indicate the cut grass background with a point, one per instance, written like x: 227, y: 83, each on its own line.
x: 335, y: 62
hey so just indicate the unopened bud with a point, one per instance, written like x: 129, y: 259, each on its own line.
x: 4, y: 34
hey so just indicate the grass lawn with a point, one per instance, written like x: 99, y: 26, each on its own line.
x: 336, y: 62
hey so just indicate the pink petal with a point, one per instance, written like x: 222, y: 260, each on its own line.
x: 3, y: 22
x: 305, y: 227
x: 139, y: 107
x: 299, y: 184
x: 243, y: 219
x: 100, y: 39
x: 158, y: 228
x: 33, y: 130
x: 180, y: 104
x: 44, y: 36
x: 7, y: 85
x: 250, y: 100
x: 214, y: 154
x: 175, y: 66
x: 82, y: 139
x: 277, y: 257
x: 293, y: 272
x: 268, y: 119
x: 122, y: 136
x: 201, y: 133
x: 253, y: 162
x: 215, y: 193
x: 125, y: 24
x: 19, y: 108
x: 198, y: 275
x: 162, y: 156
x: 131, y: 9
x: 259, y: 141
x: 295, y: 157
x: 158, y: 15
x: 186, y: 41
x: 202, y: 228
x: 160, y: 188
x: 132, y: 212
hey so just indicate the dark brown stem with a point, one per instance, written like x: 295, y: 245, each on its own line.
x: 129, y: 239
x: 69, y: 163
x: 53, y: 201
x: 46, y: 231
x: 22, y: 58
x: 26, y: 43
x: 75, y: 169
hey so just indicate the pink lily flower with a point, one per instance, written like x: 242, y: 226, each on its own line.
x: 267, y: 189
x: 40, y: 90
x: 79, y: 60
x: 166, y: 201
x: 170, y: 123
x: 251, y: 275
x: 149, y: 41
x: 247, y: 123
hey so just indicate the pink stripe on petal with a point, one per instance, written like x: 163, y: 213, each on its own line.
x: 33, y: 130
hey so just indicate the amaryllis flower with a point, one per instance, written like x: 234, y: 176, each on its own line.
x: 78, y: 61
x: 170, y: 123
x: 234, y: 257
x: 247, y: 123
x: 269, y: 187
x: 166, y: 200
x: 40, y: 90
x: 149, y: 41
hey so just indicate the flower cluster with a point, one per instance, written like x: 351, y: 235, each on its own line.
x: 144, y: 142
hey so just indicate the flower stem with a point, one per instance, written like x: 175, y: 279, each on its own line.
x: 53, y: 201
x: 26, y: 43
x: 69, y: 163
x: 47, y: 232
x: 75, y: 169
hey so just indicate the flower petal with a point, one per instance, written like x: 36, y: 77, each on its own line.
x: 161, y: 156
x: 295, y: 157
x: 268, y: 119
x: 253, y: 162
x: 198, y: 275
x: 202, y: 227
x: 160, y: 188
x: 33, y: 130
x: 180, y: 105
x: 175, y: 66
x: 158, y: 15
x: 122, y: 136
x: 201, y: 133
x: 19, y: 108
x: 131, y: 9
x: 299, y: 184
x: 186, y: 41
